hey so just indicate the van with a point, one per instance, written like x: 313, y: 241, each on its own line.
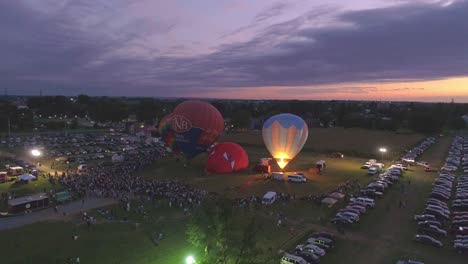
x: 269, y: 198
x: 297, y: 178
x: 277, y: 176
x: 368, y: 202
x: 292, y: 259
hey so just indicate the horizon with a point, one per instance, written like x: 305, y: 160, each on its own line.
x: 362, y: 50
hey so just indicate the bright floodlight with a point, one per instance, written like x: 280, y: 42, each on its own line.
x: 190, y: 260
x: 383, y: 150
x: 35, y: 153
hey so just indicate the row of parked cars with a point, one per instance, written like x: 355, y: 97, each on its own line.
x: 365, y: 199
x: 312, y: 250
x: 415, y: 152
x: 438, y: 220
x: 459, y: 224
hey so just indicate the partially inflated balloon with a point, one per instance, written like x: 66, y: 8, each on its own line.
x: 227, y: 157
x: 284, y: 136
x: 196, y: 125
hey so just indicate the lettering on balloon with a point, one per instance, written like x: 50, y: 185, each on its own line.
x: 180, y: 124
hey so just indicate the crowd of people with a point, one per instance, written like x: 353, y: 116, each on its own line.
x: 118, y: 182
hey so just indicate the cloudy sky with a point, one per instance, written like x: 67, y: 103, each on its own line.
x: 287, y: 49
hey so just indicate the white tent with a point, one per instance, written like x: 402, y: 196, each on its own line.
x: 329, y: 201
x: 27, y: 177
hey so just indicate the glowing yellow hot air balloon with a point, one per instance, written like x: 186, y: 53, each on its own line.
x: 284, y: 136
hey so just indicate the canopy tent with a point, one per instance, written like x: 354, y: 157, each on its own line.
x: 336, y: 195
x: 27, y: 177
x: 329, y: 201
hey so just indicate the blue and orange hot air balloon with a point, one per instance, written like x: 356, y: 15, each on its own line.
x: 284, y: 136
x: 196, y: 126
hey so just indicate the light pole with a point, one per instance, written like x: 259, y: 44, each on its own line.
x: 36, y: 154
x: 382, y: 152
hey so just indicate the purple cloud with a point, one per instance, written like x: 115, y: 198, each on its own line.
x: 55, y: 51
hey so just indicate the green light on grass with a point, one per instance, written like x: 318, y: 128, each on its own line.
x: 190, y: 260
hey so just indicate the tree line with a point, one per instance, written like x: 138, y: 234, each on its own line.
x: 427, y: 118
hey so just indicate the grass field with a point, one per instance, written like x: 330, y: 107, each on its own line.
x: 386, y: 234
x: 246, y: 183
x: 383, y: 235
x: 350, y: 141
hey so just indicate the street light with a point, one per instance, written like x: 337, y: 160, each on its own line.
x: 190, y: 260
x: 383, y: 151
x: 35, y: 153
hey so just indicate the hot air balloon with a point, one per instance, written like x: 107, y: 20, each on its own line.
x: 196, y: 126
x: 165, y: 130
x: 284, y: 136
x: 227, y: 157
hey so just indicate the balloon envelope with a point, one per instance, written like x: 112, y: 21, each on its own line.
x: 284, y: 136
x: 196, y: 126
x: 165, y: 130
x: 227, y: 157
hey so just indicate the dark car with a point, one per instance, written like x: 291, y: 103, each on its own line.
x: 429, y: 223
x: 341, y: 221
x: 461, y: 248
x: 337, y: 155
x: 324, y: 234
x: 432, y: 230
x: 424, y: 239
x: 424, y: 217
x: 460, y: 230
x: 310, y: 257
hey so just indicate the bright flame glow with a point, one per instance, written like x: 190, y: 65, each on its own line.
x: 282, y: 159
x: 35, y: 153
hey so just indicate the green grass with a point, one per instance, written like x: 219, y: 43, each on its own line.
x: 386, y: 233
x: 246, y: 183
x: 351, y: 141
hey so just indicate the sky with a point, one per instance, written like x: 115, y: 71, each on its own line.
x: 409, y: 50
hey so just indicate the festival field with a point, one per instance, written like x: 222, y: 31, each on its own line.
x: 384, y: 235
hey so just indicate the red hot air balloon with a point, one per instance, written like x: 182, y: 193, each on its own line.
x: 227, y: 157
x: 196, y: 125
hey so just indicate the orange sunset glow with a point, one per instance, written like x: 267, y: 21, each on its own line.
x: 426, y: 91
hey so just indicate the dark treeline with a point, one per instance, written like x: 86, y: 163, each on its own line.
x: 425, y: 118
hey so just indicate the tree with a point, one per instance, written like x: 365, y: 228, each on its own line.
x: 241, y: 118
x: 109, y: 110
x: 426, y: 122
x: 456, y: 123
x: 213, y: 230
x: 147, y: 110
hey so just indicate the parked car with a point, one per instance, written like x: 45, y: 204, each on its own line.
x: 425, y: 239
